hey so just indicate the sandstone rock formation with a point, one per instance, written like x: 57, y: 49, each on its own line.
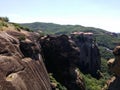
x: 61, y: 57
x: 21, y: 64
x: 114, y: 66
x: 90, y: 61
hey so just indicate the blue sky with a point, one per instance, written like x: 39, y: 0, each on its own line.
x: 103, y: 14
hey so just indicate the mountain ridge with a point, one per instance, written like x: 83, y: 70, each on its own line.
x: 39, y: 25
x: 106, y: 40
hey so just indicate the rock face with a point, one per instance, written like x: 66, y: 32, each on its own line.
x: 114, y: 66
x: 61, y: 57
x: 22, y: 67
x: 21, y: 64
x: 90, y: 60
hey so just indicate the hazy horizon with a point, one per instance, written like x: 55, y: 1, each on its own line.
x: 104, y: 14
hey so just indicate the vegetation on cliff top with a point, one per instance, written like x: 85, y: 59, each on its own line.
x: 6, y: 25
x: 5, y: 19
x: 105, y: 40
x: 55, y: 84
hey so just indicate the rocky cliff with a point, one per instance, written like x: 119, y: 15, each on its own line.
x: 22, y: 54
x: 65, y: 54
x: 21, y: 64
x: 61, y: 56
x: 114, y: 66
x: 90, y: 61
x: 21, y: 60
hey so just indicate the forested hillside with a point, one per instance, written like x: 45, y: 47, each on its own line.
x: 106, y: 40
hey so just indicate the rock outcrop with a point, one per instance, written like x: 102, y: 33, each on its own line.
x: 90, y: 61
x: 21, y: 63
x: 114, y: 66
x: 61, y: 57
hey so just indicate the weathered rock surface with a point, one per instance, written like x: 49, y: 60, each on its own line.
x: 61, y: 57
x: 22, y: 67
x: 90, y: 60
x: 21, y: 64
x: 114, y: 66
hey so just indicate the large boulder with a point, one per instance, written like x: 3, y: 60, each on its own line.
x: 114, y: 66
x: 90, y: 60
x: 61, y: 57
x: 21, y: 63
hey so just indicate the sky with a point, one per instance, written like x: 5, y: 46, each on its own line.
x: 104, y: 14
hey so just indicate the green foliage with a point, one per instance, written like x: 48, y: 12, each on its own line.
x: 22, y: 37
x: 104, y: 69
x: 51, y: 28
x: 95, y: 84
x: 107, y: 40
x: 4, y: 19
x: 3, y: 24
x: 92, y: 83
x: 106, y: 53
x: 18, y: 27
x: 58, y: 85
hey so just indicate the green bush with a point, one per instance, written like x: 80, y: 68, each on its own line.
x: 106, y: 54
x: 22, y: 37
x: 18, y: 27
x: 3, y: 24
x: 53, y: 80
x: 95, y: 84
x: 4, y: 19
x: 92, y: 83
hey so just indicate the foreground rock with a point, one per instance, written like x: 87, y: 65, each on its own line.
x: 114, y: 66
x: 21, y: 64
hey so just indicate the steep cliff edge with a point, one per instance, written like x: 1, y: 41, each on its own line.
x: 114, y: 66
x: 90, y: 60
x: 65, y: 54
x: 61, y: 56
x: 21, y: 64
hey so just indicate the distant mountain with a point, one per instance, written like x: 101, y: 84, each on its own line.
x: 51, y: 28
x: 104, y: 38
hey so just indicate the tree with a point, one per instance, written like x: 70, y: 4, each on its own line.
x: 4, y: 19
